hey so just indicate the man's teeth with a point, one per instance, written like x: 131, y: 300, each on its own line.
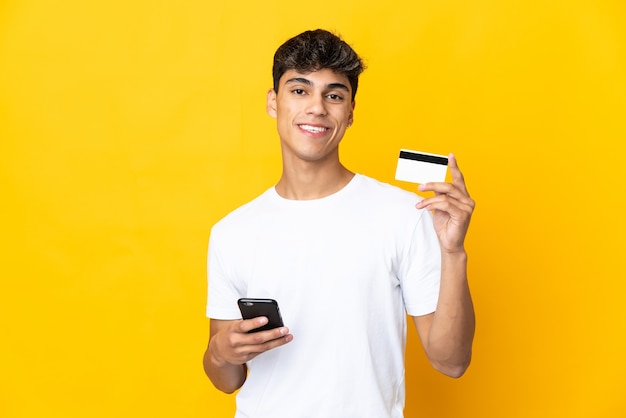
x: 313, y: 129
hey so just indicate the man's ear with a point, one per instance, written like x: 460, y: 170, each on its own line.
x: 271, y: 103
x: 351, y: 117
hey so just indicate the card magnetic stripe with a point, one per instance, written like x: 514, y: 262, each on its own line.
x: 434, y: 159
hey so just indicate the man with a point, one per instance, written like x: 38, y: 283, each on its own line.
x: 345, y: 256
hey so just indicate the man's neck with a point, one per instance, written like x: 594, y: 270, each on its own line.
x: 310, y: 181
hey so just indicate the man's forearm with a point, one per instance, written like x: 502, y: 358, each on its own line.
x: 449, y: 345
x: 225, y: 377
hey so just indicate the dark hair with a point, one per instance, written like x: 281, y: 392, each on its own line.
x: 317, y: 50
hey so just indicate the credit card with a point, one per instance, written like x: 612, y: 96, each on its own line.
x: 421, y: 167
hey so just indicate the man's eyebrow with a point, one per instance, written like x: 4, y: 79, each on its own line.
x: 340, y: 86
x: 306, y: 81
x: 300, y: 80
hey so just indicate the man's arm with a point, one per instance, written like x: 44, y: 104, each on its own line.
x: 448, y: 333
x: 230, y: 347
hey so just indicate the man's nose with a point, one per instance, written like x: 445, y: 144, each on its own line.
x: 316, y: 106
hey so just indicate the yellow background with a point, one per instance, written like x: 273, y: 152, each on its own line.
x: 127, y: 128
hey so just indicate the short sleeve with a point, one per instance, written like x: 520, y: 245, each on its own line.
x: 420, y: 271
x: 222, y: 291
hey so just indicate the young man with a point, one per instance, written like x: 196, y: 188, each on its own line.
x: 345, y: 256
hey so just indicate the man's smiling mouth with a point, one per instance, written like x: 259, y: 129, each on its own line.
x: 313, y: 129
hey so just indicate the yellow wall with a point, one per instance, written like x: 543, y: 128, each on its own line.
x: 127, y: 128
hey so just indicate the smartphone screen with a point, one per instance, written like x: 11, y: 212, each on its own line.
x: 252, y: 308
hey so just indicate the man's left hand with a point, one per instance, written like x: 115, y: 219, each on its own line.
x: 452, y: 208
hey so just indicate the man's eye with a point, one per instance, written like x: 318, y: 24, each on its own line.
x: 334, y: 97
x: 298, y: 91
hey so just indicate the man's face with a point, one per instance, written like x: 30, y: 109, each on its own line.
x: 312, y: 111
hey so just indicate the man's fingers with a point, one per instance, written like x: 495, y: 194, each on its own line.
x: 281, y: 338
x: 444, y: 191
x: 457, y: 175
x: 249, y: 324
x: 262, y: 339
x: 451, y: 206
x: 234, y: 344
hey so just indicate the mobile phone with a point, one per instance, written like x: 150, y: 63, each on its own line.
x: 252, y: 308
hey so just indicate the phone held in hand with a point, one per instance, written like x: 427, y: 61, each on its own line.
x: 253, y: 308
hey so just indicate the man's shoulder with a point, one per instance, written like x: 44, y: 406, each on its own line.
x: 247, y: 212
x: 390, y: 204
x: 380, y: 190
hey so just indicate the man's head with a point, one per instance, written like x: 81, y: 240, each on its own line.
x: 316, y: 50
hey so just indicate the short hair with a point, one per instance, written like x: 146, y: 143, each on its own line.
x: 317, y: 50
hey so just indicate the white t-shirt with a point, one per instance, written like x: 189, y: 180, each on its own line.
x: 345, y: 270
